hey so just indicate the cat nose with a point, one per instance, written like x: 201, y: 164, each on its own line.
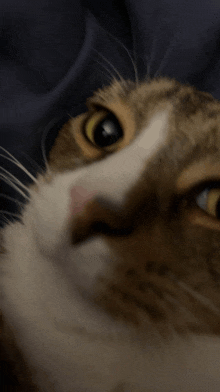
x: 91, y: 214
x: 80, y: 197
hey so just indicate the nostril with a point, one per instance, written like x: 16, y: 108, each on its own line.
x: 86, y: 227
x: 82, y: 232
x: 91, y: 215
x: 104, y: 228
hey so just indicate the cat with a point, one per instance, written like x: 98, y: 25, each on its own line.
x: 110, y: 280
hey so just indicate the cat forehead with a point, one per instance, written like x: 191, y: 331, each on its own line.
x: 192, y: 109
x: 192, y: 127
x: 194, y: 115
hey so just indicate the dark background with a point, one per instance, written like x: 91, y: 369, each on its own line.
x: 55, y: 53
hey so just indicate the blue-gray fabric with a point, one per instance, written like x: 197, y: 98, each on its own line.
x: 55, y: 53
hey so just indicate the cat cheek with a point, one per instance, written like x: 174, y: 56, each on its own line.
x: 79, y: 198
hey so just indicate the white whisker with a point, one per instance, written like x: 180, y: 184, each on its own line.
x: 18, y: 164
x: 106, y: 69
x: 179, y: 305
x: 32, y: 161
x: 9, y: 182
x: 111, y: 65
x: 4, y: 219
x: 152, y: 57
x: 165, y: 57
x: 10, y: 213
x: 134, y: 58
x: 129, y: 55
x: 16, y: 181
x: 12, y: 199
x: 43, y: 140
x: 199, y: 297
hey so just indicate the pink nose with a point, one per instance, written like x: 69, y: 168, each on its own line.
x: 79, y: 199
x: 89, y: 214
x: 84, y: 210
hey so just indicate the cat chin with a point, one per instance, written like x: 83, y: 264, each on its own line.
x: 51, y: 294
x: 47, y: 231
x: 56, y: 280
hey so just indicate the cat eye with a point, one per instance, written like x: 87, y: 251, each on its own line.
x: 209, y: 200
x: 103, y: 129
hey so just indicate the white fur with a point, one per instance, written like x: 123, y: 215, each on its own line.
x: 47, y: 285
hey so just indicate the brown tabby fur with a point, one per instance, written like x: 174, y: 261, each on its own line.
x: 141, y: 287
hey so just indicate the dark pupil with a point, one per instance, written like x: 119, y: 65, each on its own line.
x: 108, y: 131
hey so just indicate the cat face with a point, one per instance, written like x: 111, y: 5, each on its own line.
x: 129, y: 208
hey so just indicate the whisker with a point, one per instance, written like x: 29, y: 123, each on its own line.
x: 43, y: 142
x: 5, y: 220
x: 152, y: 57
x: 106, y: 69
x: 9, y: 182
x: 128, y: 53
x: 134, y: 58
x: 12, y: 199
x: 44, y: 130
x: 179, y: 305
x: 199, y: 297
x: 18, y: 164
x: 166, y: 55
x: 16, y: 181
x: 130, y: 57
x: 32, y: 161
x: 10, y: 213
x: 111, y: 65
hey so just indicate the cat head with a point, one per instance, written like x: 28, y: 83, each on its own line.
x: 130, y: 205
